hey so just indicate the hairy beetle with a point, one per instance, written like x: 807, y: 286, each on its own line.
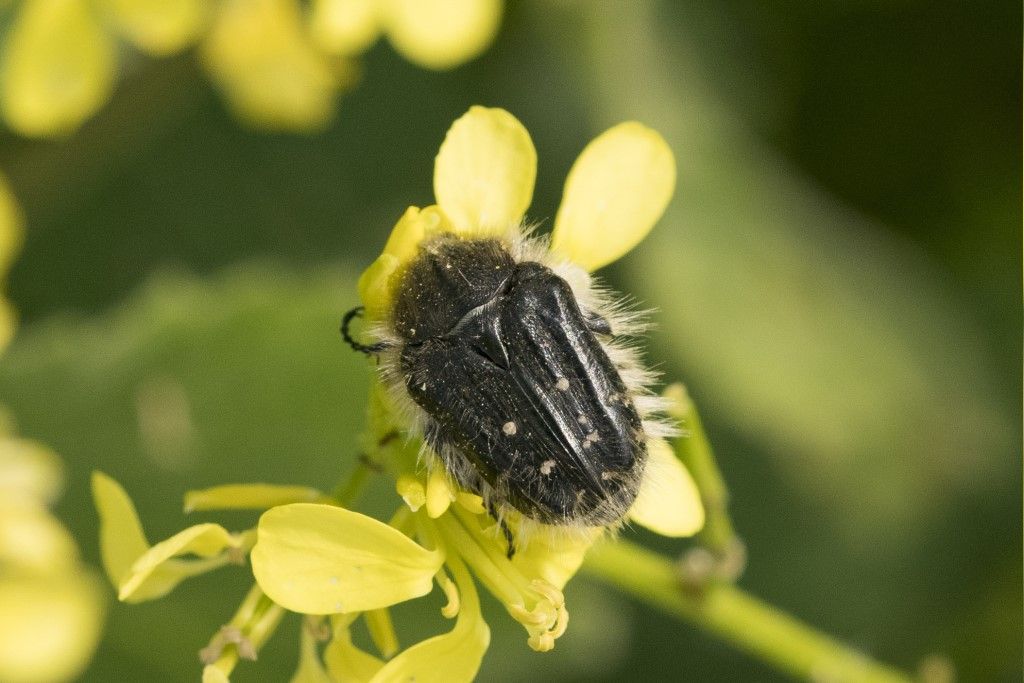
x: 509, y: 366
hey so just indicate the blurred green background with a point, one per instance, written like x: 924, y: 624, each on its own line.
x: 837, y: 282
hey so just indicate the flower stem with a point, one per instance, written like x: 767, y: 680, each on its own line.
x: 348, y: 491
x: 718, y: 535
x: 735, y: 616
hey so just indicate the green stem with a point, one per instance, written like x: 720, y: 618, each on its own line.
x: 348, y: 491
x: 737, y: 617
x: 718, y: 534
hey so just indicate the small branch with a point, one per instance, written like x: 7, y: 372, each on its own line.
x: 737, y: 617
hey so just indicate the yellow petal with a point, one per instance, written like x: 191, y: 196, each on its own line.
x: 320, y: 559
x: 154, y: 574
x: 376, y: 282
x: 375, y: 287
x: 411, y: 491
x: 439, y: 493
x: 58, y: 68
x: 441, y: 34
x: 453, y: 657
x: 310, y: 670
x: 10, y: 227
x: 8, y: 323
x: 10, y: 242
x: 49, y: 626
x: 615, y: 193
x: 122, y: 540
x: 144, y: 573
x: 668, y: 502
x: 33, y: 540
x: 344, y: 27
x: 160, y: 27
x: 554, y: 554
x: 272, y: 75
x: 249, y: 497
x: 345, y: 662
x: 485, y: 171
x: 29, y: 471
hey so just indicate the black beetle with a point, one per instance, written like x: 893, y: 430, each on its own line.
x: 524, y: 395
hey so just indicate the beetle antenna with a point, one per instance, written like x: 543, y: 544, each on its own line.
x: 368, y: 349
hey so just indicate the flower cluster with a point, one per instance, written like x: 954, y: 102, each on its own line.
x: 312, y: 554
x: 51, y: 605
x: 280, y: 63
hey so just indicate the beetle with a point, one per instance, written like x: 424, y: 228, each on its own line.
x: 522, y: 391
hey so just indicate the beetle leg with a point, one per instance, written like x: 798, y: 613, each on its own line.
x: 505, y: 530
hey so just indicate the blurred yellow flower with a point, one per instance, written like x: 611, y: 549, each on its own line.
x: 436, y: 34
x: 280, y: 63
x: 271, y: 74
x: 160, y: 27
x: 57, y: 69
x: 51, y: 606
x: 10, y: 243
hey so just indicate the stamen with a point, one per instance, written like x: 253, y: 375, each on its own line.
x: 411, y: 491
x: 439, y: 494
x: 553, y: 595
x: 451, y: 592
x: 542, y: 642
x: 561, y: 624
x: 528, y: 617
x: 538, y: 605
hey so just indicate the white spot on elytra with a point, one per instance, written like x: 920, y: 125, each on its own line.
x: 606, y: 475
x: 423, y: 387
x: 590, y: 439
x: 509, y: 428
x: 546, y: 467
x: 583, y: 420
x: 562, y: 384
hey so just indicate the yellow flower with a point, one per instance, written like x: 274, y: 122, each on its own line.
x: 322, y: 560
x: 10, y: 243
x: 141, y: 571
x: 312, y: 555
x: 614, y: 194
x: 272, y: 75
x: 280, y: 64
x: 160, y: 27
x: 58, y: 67
x: 436, y: 34
x: 51, y: 608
